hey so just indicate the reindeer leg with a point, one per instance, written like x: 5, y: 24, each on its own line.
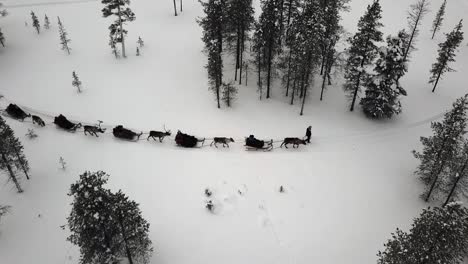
x: 161, y: 139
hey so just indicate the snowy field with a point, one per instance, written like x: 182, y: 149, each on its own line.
x: 345, y: 193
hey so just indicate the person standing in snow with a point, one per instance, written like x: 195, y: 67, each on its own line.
x: 308, y: 134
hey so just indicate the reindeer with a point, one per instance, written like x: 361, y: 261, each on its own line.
x: 221, y: 140
x: 159, y: 134
x: 295, y: 141
x: 93, y: 130
x: 37, y: 120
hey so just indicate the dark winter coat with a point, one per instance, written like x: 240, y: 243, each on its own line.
x: 185, y: 140
x: 16, y: 112
x: 62, y: 122
x: 254, y: 143
x: 123, y: 133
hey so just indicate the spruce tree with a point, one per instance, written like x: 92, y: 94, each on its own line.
x: 133, y: 228
x: 268, y: 31
x: 63, y: 35
x: 363, y: 50
x: 383, y: 89
x: 35, y: 23
x: 239, y: 16
x: 213, y: 25
x: 456, y: 185
x: 120, y: 9
x: 91, y: 221
x: 46, y: 22
x: 437, y: 24
x: 2, y: 38
x: 12, y: 157
x: 438, y: 235
x: 446, y: 55
x: 441, y: 148
x: 415, y: 17
x: 229, y: 93
x: 76, y: 82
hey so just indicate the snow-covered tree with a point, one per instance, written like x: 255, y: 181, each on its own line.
x: 441, y: 148
x: 363, y: 50
x: 2, y: 38
x: 120, y: 9
x: 268, y: 33
x: 446, y: 55
x: 46, y: 22
x: 76, y: 82
x: 438, y: 235
x: 35, y: 22
x: 240, y: 18
x: 383, y: 89
x: 140, y: 42
x: 415, y: 16
x: 229, y: 91
x: 437, y: 24
x: 92, y: 224
x: 12, y: 157
x: 213, y: 25
x: 63, y: 35
x: 135, y: 244
x: 456, y: 185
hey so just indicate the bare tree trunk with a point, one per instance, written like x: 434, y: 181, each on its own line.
x: 437, y: 81
x: 181, y: 6
x: 460, y: 176
x: 242, y: 47
x: 121, y: 31
x: 270, y: 51
x: 22, y: 165
x: 289, y: 74
x: 175, y: 8
x: 246, y: 72
x: 124, y: 235
x: 12, y: 174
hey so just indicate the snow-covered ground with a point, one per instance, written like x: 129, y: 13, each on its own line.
x: 345, y: 193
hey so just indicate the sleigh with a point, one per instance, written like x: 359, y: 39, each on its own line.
x: 187, y: 141
x: 127, y: 134
x: 252, y: 143
x: 16, y: 112
x: 62, y: 122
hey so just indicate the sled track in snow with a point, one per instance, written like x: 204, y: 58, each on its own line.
x: 49, y: 3
x: 49, y: 117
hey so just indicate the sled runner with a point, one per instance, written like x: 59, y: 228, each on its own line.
x: 187, y: 141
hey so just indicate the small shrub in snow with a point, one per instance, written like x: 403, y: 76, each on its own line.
x: 63, y: 164
x: 35, y: 21
x: 31, y: 134
x: 210, y: 206
x: 76, y: 82
x: 46, y: 22
x: 208, y: 192
x: 140, y: 42
x: 4, y: 209
x: 281, y: 189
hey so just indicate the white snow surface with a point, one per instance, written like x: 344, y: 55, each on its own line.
x: 344, y: 193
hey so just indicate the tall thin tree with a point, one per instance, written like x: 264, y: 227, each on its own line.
x: 415, y: 16
x: 124, y: 14
x: 63, y: 35
x: 437, y: 24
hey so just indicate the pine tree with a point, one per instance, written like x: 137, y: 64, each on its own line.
x: 457, y: 182
x: 76, y: 82
x: 120, y: 9
x: 415, y: 17
x: 213, y: 25
x: 440, y: 148
x: 113, y: 46
x: 63, y: 35
x: 229, y: 93
x: 239, y: 17
x: 446, y: 55
x: 133, y: 229
x: 19, y: 160
x: 363, y: 50
x: 268, y: 32
x: 140, y: 42
x: 10, y: 159
x: 35, y: 21
x: 383, y: 89
x: 92, y: 224
x: 437, y: 24
x: 2, y: 38
x: 438, y: 235
x: 46, y: 22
